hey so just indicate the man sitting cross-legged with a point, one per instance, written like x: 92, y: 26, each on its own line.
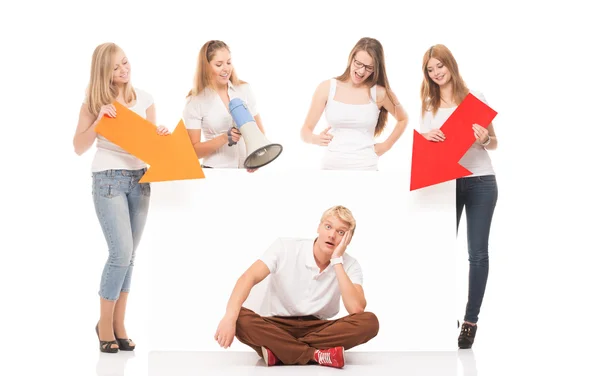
x: 308, y: 277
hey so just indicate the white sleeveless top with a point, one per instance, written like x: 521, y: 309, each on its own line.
x: 353, y: 130
x: 112, y: 157
x: 476, y: 159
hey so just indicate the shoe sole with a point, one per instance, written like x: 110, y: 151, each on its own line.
x: 265, y: 356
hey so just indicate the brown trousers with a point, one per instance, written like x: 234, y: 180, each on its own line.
x: 294, y: 340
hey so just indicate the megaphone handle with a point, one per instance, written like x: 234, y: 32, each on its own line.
x: 231, y: 142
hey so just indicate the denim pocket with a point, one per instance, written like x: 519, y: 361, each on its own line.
x: 487, y: 178
x: 107, y: 190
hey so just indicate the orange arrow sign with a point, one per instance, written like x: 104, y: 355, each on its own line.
x: 171, y: 157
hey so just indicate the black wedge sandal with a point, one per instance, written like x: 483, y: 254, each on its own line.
x: 125, y: 344
x: 106, y: 346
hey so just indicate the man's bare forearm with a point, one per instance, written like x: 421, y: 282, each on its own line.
x: 351, y: 297
x: 239, y: 295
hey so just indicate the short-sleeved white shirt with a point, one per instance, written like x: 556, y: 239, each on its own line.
x: 206, y: 111
x: 296, y: 287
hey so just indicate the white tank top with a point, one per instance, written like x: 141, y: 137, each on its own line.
x: 112, y: 157
x: 353, y: 130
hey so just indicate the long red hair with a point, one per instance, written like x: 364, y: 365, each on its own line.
x: 430, y: 91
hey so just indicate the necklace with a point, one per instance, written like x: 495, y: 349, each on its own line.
x: 448, y: 103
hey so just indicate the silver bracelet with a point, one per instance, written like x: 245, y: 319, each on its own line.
x: 488, y: 141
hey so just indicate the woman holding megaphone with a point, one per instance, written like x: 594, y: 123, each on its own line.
x: 207, y: 109
x: 356, y: 105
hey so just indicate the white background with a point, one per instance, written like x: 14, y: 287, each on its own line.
x: 534, y: 61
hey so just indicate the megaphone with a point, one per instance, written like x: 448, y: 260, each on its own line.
x: 260, y: 151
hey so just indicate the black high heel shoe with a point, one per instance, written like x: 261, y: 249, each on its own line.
x: 125, y: 344
x: 106, y: 346
x: 467, y: 336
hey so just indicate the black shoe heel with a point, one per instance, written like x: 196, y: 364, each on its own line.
x: 467, y: 336
x: 106, y: 346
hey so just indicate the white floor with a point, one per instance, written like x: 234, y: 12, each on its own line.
x: 512, y: 362
x: 248, y: 363
x: 534, y: 356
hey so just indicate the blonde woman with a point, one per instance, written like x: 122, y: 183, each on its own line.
x: 356, y: 106
x: 442, y: 90
x: 121, y: 202
x: 207, y: 109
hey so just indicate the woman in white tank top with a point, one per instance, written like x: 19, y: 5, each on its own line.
x: 442, y: 90
x: 120, y: 200
x: 356, y: 105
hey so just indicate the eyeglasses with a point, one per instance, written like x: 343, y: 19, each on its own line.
x: 359, y: 65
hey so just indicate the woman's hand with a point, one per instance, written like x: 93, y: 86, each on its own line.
x: 323, y: 138
x: 162, y: 130
x: 235, y: 135
x: 107, y: 109
x: 381, y: 148
x: 481, y: 134
x: 434, y: 135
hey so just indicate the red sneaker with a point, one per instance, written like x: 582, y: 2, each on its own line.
x: 269, y: 357
x: 333, y: 357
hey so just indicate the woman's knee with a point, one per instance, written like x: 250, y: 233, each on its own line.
x: 479, y: 256
x: 121, y: 253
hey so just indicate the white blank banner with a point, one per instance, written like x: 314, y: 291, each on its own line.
x: 203, y: 234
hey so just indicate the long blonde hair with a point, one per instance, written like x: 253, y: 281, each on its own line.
x: 101, y: 90
x: 203, y: 75
x: 379, y: 76
x: 430, y: 91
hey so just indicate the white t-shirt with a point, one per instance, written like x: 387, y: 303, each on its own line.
x: 296, y: 287
x: 476, y: 159
x: 206, y: 111
x: 112, y: 157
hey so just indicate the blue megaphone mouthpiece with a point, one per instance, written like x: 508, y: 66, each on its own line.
x: 239, y: 112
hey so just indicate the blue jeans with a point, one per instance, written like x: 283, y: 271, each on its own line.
x: 121, y: 204
x: 478, y: 195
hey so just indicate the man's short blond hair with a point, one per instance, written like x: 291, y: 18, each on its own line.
x: 343, y: 213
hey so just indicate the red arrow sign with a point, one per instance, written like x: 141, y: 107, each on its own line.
x: 171, y: 157
x: 437, y: 162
